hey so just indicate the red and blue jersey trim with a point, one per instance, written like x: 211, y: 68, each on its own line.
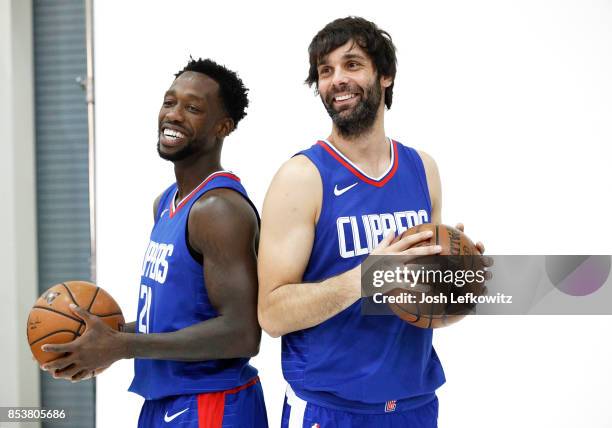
x: 211, y: 405
x: 191, y: 194
x: 348, y: 165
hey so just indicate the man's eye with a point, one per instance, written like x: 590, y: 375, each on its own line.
x: 167, y: 103
x: 193, y: 108
x: 324, y: 71
x: 352, y: 64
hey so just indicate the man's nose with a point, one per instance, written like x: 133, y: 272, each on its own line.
x: 340, y: 78
x: 175, y: 113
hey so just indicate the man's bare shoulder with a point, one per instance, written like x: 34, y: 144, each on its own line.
x: 434, y: 185
x: 222, y: 219
x: 428, y: 161
x: 299, y: 168
x: 296, y: 190
x: 223, y: 206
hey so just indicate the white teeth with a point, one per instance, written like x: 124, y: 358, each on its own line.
x: 173, y: 134
x: 344, y: 97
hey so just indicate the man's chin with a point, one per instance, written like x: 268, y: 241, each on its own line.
x: 344, y: 114
x: 344, y: 117
x: 342, y: 108
x: 170, y: 155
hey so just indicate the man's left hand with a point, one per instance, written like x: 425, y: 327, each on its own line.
x: 88, y: 355
x: 479, y: 245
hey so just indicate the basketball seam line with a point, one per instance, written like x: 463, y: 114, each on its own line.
x: 94, y: 298
x: 437, y: 243
x: 108, y: 315
x: 51, y: 334
x: 80, y: 321
x: 70, y: 293
x: 417, y: 314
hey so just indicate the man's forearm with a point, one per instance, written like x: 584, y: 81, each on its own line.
x: 294, y: 307
x: 209, y: 340
x: 129, y: 327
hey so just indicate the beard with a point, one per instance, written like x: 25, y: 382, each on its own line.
x: 363, y: 115
x: 186, y: 151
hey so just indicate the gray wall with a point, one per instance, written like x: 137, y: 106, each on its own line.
x: 18, y: 273
x: 62, y: 172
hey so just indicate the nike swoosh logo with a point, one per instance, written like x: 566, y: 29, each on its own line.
x: 163, y: 212
x: 338, y: 192
x: 174, y: 416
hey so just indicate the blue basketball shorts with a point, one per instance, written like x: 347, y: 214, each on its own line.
x: 241, y: 407
x: 298, y: 413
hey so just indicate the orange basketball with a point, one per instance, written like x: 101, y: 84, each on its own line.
x: 52, y: 321
x: 453, y: 241
x: 458, y: 254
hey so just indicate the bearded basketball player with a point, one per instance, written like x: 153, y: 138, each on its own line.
x: 327, y: 208
x: 197, y: 321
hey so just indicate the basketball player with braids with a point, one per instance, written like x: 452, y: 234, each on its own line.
x: 197, y: 318
x: 327, y: 208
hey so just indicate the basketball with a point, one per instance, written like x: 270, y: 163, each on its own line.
x: 438, y: 303
x: 453, y: 241
x: 52, y: 321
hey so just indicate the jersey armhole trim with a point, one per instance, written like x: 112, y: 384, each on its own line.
x: 422, y: 176
x: 163, y: 200
x: 195, y: 254
x: 322, y: 174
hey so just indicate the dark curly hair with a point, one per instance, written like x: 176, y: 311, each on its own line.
x: 375, y: 42
x: 232, y: 91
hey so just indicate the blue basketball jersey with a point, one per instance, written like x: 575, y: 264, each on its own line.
x: 354, y: 361
x: 173, y: 296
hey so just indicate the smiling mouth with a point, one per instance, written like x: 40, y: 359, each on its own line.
x: 171, y: 137
x: 344, y: 97
x: 171, y: 134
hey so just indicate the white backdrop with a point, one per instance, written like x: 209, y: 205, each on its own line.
x: 513, y: 100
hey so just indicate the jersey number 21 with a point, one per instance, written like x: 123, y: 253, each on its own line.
x: 146, y: 293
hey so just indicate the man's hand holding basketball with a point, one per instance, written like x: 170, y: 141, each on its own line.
x: 88, y: 355
x: 404, y: 249
x: 405, y: 245
x: 486, y: 261
x: 479, y: 245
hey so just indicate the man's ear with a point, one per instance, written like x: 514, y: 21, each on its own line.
x: 386, y: 81
x: 225, y: 126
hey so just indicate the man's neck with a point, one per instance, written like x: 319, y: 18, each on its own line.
x: 189, y: 173
x: 370, y: 151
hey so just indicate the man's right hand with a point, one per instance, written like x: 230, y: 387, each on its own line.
x: 406, y: 246
x: 403, y: 249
